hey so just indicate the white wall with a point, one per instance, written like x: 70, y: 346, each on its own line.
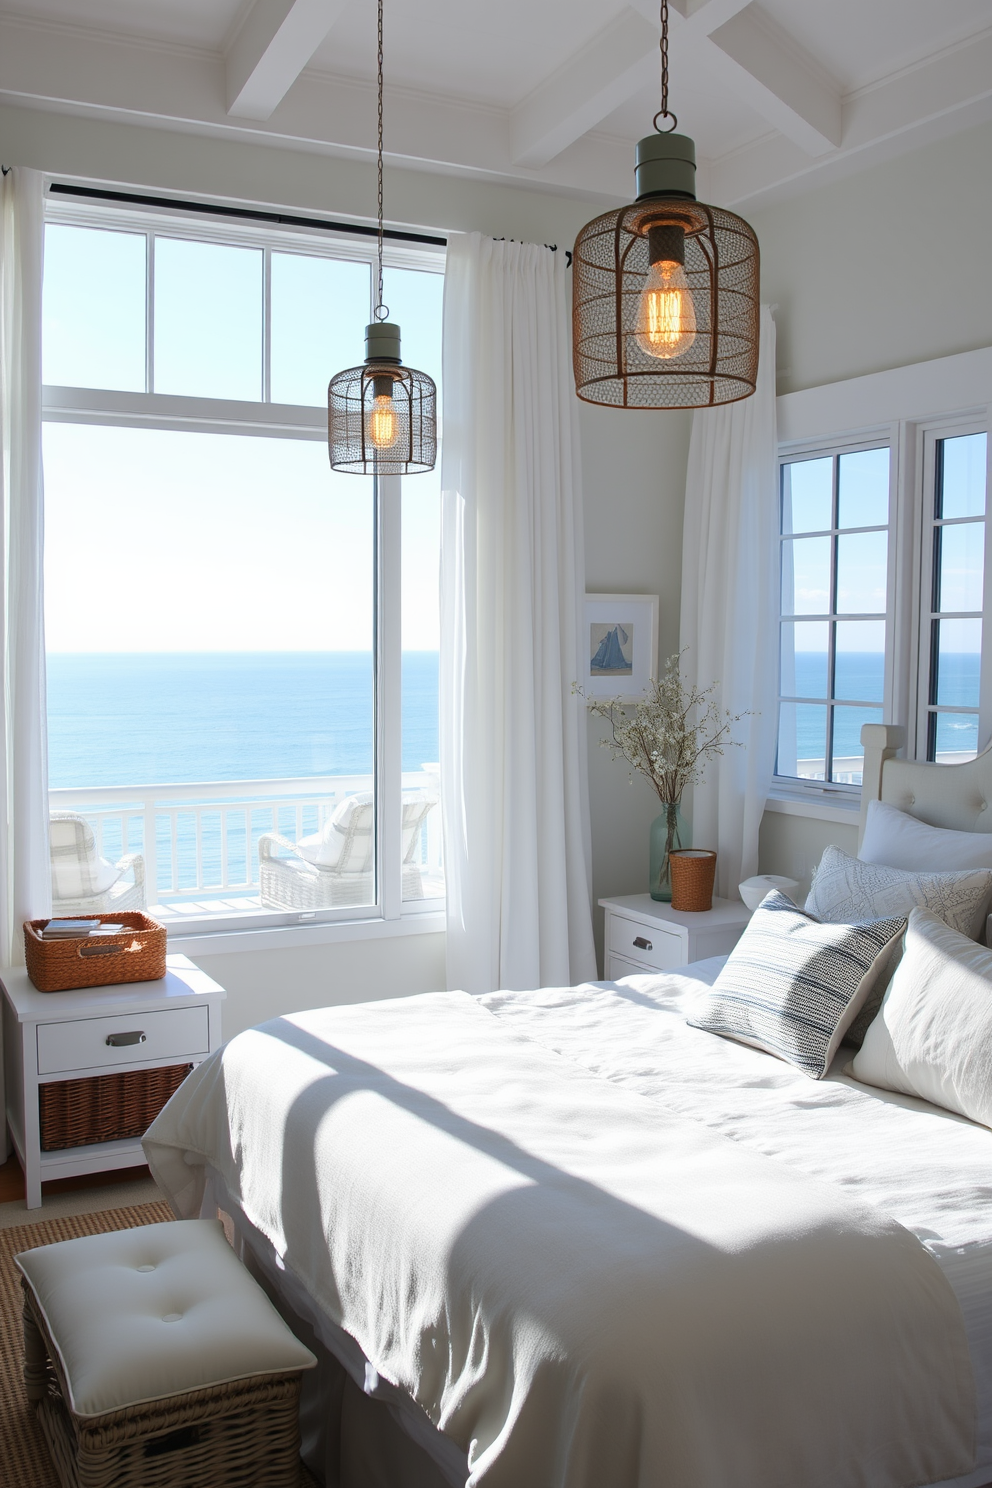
x: 885, y: 269
x: 634, y: 475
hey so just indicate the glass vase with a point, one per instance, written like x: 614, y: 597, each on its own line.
x: 668, y: 832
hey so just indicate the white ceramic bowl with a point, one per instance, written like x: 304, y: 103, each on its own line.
x: 753, y: 890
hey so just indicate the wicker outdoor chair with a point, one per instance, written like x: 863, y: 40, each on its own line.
x: 334, y: 867
x: 82, y: 881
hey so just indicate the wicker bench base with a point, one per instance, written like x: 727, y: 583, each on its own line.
x: 242, y: 1435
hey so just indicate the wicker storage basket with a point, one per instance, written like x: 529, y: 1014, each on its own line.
x: 693, y: 871
x: 104, y: 1108
x: 244, y: 1435
x: 136, y: 955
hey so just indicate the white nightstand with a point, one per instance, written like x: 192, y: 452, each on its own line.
x: 49, y: 1036
x: 643, y: 935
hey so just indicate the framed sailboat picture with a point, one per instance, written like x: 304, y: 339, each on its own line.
x: 620, y: 645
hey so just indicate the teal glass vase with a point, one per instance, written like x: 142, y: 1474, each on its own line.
x: 668, y: 832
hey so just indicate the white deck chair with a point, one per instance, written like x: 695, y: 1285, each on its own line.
x: 82, y: 881
x: 334, y: 867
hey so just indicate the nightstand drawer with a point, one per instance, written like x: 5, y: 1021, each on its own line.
x: 650, y: 947
x: 168, y: 1034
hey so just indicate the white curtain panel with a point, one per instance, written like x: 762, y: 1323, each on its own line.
x: 25, y: 874
x: 730, y: 609
x: 514, y: 786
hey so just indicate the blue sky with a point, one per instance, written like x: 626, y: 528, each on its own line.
x: 171, y: 541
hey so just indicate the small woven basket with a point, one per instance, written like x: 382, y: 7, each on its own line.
x: 136, y: 955
x: 693, y: 870
x: 104, y: 1108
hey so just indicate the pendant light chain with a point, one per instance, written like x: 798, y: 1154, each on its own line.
x: 663, y: 111
x: 381, y: 310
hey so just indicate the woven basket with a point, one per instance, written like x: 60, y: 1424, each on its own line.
x: 244, y: 1435
x: 104, y: 1108
x: 693, y: 870
x: 136, y: 955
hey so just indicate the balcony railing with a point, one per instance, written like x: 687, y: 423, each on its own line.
x: 199, y: 842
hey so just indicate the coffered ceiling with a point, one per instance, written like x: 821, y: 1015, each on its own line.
x: 778, y: 94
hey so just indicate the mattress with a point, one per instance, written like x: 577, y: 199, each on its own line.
x: 929, y: 1169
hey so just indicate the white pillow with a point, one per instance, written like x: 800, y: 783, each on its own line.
x: 792, y: 985
x: 933, y: 1033
x: 899, y: 840
x: 846, y: 889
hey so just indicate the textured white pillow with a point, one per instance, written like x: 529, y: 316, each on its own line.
x: 792, y: 985
x: 894, y: 837
x: 846, y: 889
x: 933, y: 1033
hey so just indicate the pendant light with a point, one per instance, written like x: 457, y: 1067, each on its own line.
x: 382, y: 416
x: 665, y: 291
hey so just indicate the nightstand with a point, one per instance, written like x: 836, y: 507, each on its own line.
x: 55, y: 1036
x: 643, y: 935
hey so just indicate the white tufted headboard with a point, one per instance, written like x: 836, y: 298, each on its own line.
x: 955, y: 796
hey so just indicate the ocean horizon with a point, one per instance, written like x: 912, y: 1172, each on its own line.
x: 172, y: 718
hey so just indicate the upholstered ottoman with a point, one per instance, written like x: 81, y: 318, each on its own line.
x: 155, y: 1360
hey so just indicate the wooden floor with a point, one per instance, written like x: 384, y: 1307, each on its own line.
x: 12, y: 1180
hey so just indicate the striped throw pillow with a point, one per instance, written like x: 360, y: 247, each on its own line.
x: 793, y: 984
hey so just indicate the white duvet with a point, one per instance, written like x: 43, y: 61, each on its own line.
x: 579, y: 1285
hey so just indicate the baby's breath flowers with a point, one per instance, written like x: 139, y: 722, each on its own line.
x: 671, y: 733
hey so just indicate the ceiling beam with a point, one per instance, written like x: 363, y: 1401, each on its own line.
x: 753, y: 56
x: 785, y: 86
x: 273, y: 45
x: 617, y: 62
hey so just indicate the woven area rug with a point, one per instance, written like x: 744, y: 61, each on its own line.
x: 23, y: 1454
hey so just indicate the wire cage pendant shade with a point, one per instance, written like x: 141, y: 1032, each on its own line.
x: 382, y: 416
x: 665, y: 297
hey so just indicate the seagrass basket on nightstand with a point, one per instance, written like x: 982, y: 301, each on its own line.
x: 136, y: 955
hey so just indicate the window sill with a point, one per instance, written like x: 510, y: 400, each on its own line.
x: 287, y: 937
x: 816, y: 805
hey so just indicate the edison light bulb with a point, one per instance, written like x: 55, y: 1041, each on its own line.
x: 666, y: 317
x: 381, y: 424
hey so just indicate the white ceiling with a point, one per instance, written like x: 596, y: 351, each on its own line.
x: 778, y: 94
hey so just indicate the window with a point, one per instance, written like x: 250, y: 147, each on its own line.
x: 954, y: 591
x: 884, y: 599
x: 832, y: 650
x: 239, y: 691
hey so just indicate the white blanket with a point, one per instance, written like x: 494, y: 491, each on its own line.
x: 579, y: 1288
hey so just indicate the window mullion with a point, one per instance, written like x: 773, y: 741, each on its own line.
x: 389, y: 694
x: 150, y: 313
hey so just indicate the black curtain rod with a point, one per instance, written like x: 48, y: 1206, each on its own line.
x: 59, y: 188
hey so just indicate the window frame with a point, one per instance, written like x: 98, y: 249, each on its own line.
x: 791, y: 452
x: 912, y: 441
x: 928, y: 434
x: 165, y: 411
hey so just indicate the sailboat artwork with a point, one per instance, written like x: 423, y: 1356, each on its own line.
x: 612, y: 650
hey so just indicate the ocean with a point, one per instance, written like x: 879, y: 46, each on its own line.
x: 178, y: 717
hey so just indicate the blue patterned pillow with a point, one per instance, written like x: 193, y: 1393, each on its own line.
x: 793, y: 985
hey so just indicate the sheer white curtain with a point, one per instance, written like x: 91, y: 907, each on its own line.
x: 513, y: 768
x: 25, y: 876
x: 730, y: 609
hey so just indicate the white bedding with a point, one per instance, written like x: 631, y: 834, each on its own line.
x: 929, y: 1169
x: 510, y: 1249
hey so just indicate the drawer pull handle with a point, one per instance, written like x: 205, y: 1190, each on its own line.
x: 101, y: 950
x: 120, y: 1040
x: 642, y: 944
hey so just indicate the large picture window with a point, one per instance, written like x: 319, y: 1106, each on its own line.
x: 242, y: 644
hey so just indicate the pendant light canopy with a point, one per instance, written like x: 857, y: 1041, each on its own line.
x: 382, y: 416
x: 665, y: 291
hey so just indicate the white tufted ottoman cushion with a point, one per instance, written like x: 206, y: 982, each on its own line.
x: 156, y: 1359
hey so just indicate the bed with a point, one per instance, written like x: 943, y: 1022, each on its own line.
x: 562, y: 1238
